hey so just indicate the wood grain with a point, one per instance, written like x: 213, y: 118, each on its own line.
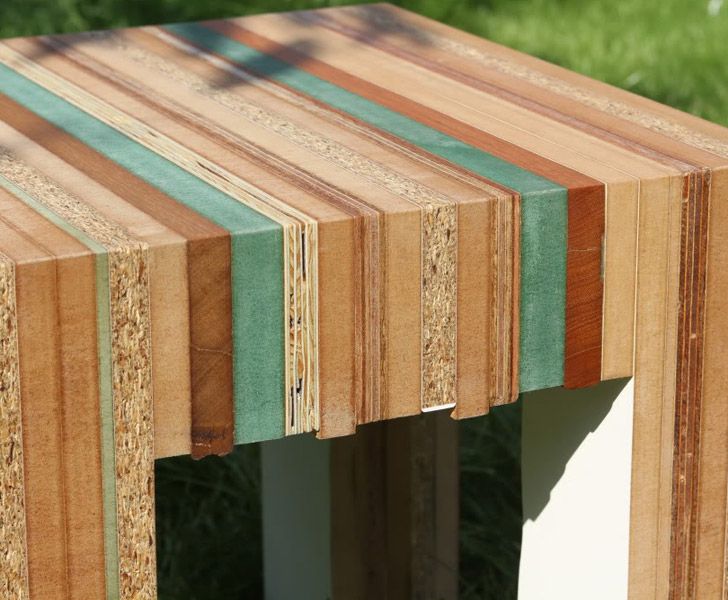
x: 185, y: 222
x: 393, y: 497
x: 403, y: 94
x: 63, y: 475
x: 232, y: 231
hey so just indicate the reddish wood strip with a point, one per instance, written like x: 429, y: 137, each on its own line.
x: 584, y: 288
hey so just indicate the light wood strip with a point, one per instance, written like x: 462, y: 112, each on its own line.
x: 47, y: 342
x: 655, y: 346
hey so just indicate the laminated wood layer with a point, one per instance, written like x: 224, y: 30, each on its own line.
x: 233, y: 231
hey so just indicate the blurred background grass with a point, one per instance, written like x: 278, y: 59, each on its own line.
x: 670, y: 50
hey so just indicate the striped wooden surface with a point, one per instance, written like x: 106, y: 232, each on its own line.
x: 233, y: 231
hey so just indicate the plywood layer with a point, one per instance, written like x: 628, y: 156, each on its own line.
x: 233, y: 231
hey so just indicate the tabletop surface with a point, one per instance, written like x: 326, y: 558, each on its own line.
x: 232, y: 231
x: 297, y: 222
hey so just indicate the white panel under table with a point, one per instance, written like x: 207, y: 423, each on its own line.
x: 576, y: 471
x: 296, y: 524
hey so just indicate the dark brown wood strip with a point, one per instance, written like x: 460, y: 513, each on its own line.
x: 689, y: 385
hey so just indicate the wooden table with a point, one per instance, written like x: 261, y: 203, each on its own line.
x: 240, y: 230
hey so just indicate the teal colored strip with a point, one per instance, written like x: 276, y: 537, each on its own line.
x: 108, y: 438
x: 543, y: 290
x: 259, y: 393
x: 106, y: 400
x: 256, y: 244
x: 544, y: 203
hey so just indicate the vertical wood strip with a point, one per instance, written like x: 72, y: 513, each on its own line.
x: 14, y: 574
x: 38, y: 347
x: 395, y: 510
x: 584, y: 288
x: 660, y: 206
x: 711, y: 533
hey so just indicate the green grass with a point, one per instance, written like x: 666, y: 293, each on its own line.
x: 673, y: 51
x: 209, y: 527
x: 490, y: 505
x: 670, y: 50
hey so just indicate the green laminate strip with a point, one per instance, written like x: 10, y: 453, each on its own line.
x: 259, y: 407
x: 543, y: 292
x: 106, y: 400
x: 544, y: 203
x: 108, y: 441
x: 256, y: 244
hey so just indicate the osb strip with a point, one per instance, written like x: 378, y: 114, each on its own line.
x: 439, y: 219
x: 297, y: 297
x: 133, y: 421
x: 131, y: 374
x: 439, y: 306
x: 383, y: 20
x: 72, y: 210
x: 689, y: 387
x: 14, y: 571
